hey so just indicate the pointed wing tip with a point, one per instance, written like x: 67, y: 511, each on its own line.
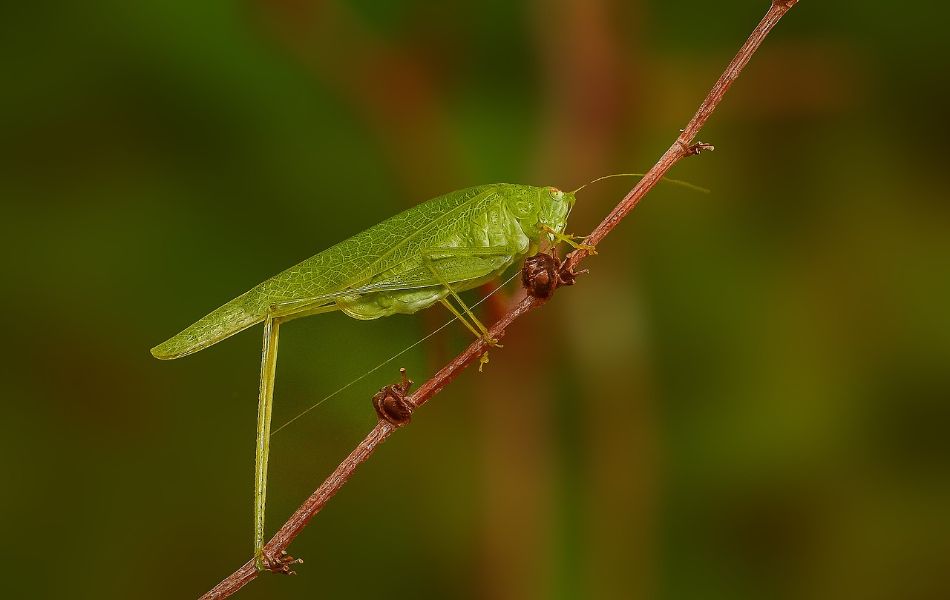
x: 175, y: 347
x: 163, y: 352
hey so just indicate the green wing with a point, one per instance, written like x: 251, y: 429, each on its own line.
x: 222, y: 323
x: 344, y: 268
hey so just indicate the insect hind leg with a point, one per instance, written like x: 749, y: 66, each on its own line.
x: 262, y: 449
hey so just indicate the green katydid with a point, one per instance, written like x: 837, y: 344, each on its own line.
x: 421, y: 256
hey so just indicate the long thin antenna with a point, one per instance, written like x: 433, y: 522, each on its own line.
x: 678, y: 182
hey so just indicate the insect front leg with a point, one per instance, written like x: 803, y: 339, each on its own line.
x: 568, y: 239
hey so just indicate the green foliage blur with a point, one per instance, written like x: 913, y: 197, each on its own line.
x: 749, y: 396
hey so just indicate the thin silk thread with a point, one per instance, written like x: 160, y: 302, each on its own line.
x: 389, y: 360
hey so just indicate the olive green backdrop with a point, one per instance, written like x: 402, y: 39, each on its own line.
x: 747, y: 397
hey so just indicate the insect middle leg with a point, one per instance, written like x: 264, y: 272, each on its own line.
x: 463, y: 319
x: 482, y: 331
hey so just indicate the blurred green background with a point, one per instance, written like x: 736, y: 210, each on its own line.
x: 749, y: 396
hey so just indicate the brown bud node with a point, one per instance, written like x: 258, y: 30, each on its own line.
x: 392, y: 404
x: 543, y: 273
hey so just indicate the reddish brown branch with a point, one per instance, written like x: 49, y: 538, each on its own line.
x: 681, y: 148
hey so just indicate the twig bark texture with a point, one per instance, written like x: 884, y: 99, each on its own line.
x: 683, y: 147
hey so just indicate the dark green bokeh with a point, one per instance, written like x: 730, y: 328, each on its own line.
x: 748, y: 398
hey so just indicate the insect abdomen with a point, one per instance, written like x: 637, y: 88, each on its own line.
x: 384, y: 304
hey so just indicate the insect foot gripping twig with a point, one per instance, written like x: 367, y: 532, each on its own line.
x: 281, y: 564
x: 391, y: 403
x: 543, y: 273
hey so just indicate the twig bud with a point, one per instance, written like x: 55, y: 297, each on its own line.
x: 391, y: 403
